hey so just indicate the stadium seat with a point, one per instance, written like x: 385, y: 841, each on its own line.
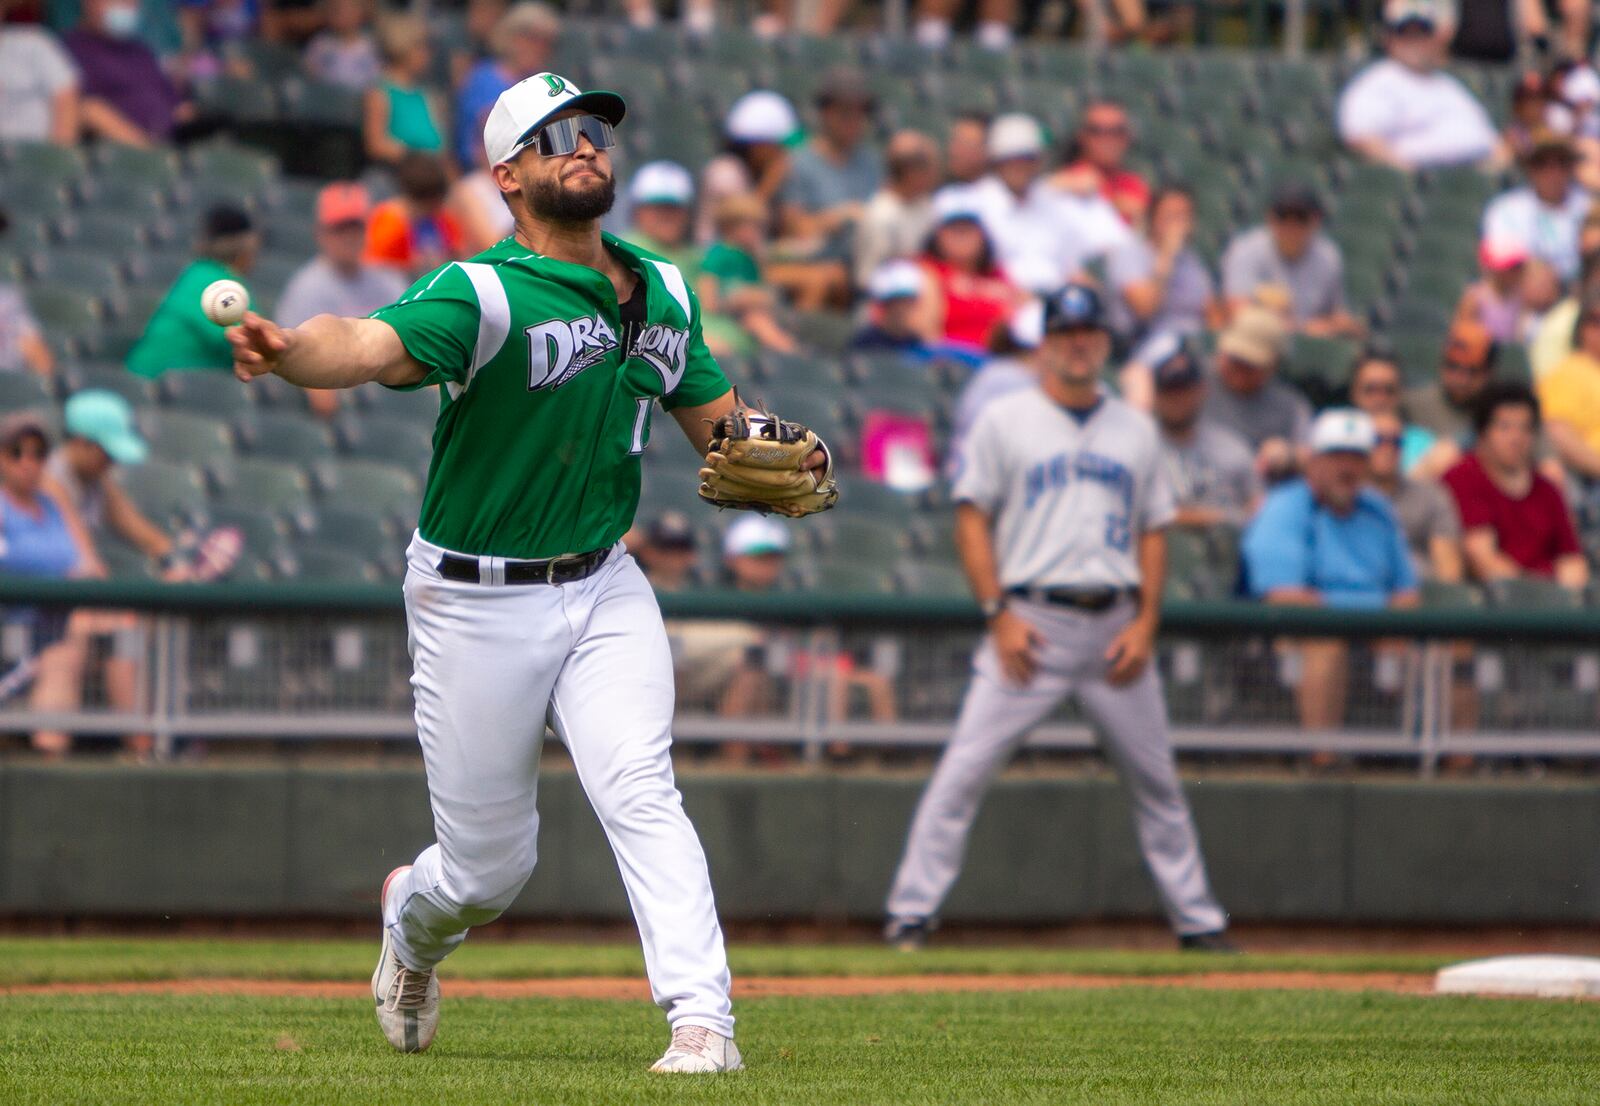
x: 1436, y: 593
x: 420, y: 406
x: 237, y: 99
x: 404, y: 442
x: 91, y: 273
x: 216, y: 394
x: 356, y: 527
x: 1532, y: 593
x: 933, y: 580
x: 22, y: 391
x: 168, y: 492
x: 187, y: 437
x: 325, y: 104
x: 42, y: 165
x: 322, y: 563
x: 866, y: 540
x: 268, y: 485
x: 849, y: 577
x: 285, y: 436
x: 372, y: 485
x: 155, y: 168
x: 264, y: 533
x: 137, y: 390
x: 40, y: 203
x: 236, y: 167
x: 109, y: 231
x: 64, y: 311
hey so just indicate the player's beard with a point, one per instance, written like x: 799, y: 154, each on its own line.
x: 551, y: 201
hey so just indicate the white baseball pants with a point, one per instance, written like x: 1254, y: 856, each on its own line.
x: 995, y: 717
x: 493, y: 663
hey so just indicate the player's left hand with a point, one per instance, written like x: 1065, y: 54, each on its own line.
x: 1128, y: 653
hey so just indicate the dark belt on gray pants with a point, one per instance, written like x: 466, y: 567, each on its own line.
x: 555, y: 570
x: 1093, y: 600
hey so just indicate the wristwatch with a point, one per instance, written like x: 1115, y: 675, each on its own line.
x: 992, y: 607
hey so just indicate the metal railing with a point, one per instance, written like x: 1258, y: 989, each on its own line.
x: 329, y: 661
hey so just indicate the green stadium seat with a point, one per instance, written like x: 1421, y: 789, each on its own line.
x: 404, y: 442
x: 137, y: 390
x: 216, y: 394
x: 286, y: 436
x: 123, y: 561
x: 107, y: 231
x: 168, y: 492
x: 1532, y: 593
x: 94, y: 274
x: 421, y: 406
x: 328, y: 105
x: 38, y: 203
x: 860, y: 496
x: 264, y: 533
x: 849, y: 577
x: 64, y: 311
x: 324, y: 563
x: 1321, y: 367
x: 374, y: 486
x: 237, y: 167
x: 933, y: 580
x: 134, y: 201
x: 237, y: 99
x: 187, y: 437
x: 154, y: 168
x: 268, y: 485
x: 1436, y: 593
x: 41, y: 165
x: 866, y: 540
x: 23, y: 391
x: 358, y: 528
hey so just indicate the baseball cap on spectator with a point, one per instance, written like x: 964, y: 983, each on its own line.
x: 844, y: 84
x: 1015, y: 135
x: 1400, y: 14
x: 1174, y: 365
x: 662, y: 182
x: 950, y: 204
x: 1295, y: 199
x: 524, y: 107
x: 1468, y: 343
x: 671, y: 530
x: 106, y: 419
x: 1343, y: 430
x: 761, y: 116
x: 1075, y: 307
x: 895, y: 280
x: 342, y: 203
x: 1501, y: 255
x: 1579, y: 85
x: 225, y: 221
x: 753, y: 536
x: 1257, y: 336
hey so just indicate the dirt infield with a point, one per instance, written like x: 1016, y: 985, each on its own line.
x: 631, y: 989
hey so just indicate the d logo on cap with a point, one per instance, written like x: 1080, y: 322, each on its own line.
x: 557, y: 85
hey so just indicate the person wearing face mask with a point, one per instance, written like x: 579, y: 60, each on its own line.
x: 127, y: 97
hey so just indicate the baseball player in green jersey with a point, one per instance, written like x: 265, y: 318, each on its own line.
x: 550, y: 349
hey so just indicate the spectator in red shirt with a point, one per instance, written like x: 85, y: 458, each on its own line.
x: 967, y: 293
x: 1094, y: 161
x: 1514, y: 521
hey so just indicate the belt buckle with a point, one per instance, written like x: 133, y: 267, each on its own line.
x: 550, y: 570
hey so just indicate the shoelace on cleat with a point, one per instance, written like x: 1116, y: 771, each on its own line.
x: 691, y: 1038
x: 409, y: 989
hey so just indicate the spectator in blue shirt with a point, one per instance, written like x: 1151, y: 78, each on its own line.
x: 1329, y: 540
x: 524, y: 40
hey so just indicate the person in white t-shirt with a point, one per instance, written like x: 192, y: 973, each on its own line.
x: 1544, y: 216
x: 1404, y: 110
x: 1043, y: 237
x: 38, y: 86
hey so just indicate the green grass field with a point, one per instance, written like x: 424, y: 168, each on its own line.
x: 1136, y: 1044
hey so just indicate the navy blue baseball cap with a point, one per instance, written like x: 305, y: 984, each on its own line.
x: 1075, y: 307
x: 1174, y: 364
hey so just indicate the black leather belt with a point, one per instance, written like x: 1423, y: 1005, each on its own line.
x: 1093, y: 600
x: 556, y: 570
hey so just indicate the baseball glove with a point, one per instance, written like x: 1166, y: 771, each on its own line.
x: 756, y: 464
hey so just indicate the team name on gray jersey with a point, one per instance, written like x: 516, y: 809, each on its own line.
x: 1068, y: 500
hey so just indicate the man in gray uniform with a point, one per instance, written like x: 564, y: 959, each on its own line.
x: 1061, y: 501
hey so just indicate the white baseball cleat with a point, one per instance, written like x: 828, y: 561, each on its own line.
x: 697, y: 1050
x: 407, y: 1000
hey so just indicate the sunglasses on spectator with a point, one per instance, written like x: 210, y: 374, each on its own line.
x: 1450, y: 366
x: 1106, y: 130
x: 32, y: 451
x: 1379, y: 389
x: 1388, y: 439
x: 560, y: 138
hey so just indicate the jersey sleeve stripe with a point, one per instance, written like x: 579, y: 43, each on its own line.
x: 672, y: 280
x: 494, y: 314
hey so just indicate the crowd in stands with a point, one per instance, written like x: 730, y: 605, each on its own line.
x: 931, y: 247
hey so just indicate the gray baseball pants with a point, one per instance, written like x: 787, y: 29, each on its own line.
x: 995, y: 717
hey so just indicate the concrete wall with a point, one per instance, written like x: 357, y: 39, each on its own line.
x: 88, y: 839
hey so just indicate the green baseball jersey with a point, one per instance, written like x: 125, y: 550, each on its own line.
x: 542, y: 417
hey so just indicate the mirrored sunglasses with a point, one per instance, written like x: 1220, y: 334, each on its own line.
x: 560, y: 138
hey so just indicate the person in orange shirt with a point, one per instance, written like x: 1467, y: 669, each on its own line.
x: 1570, y: 397
x: 413, y: 232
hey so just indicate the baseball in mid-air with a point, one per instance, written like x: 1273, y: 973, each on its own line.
x: 225, y: 302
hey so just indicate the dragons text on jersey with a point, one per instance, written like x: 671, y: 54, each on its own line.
x: 543, y: 414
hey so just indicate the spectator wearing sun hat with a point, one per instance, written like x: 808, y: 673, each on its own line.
x: 661, y: 198
x: 1545, y: 215
x: 1247, y: 397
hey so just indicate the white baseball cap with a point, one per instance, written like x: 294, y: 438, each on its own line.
x: 754, y: 535
x: 1343, y: 430
x: 1015, y: 135
x: 894, y: 280
x: 525, y: 105
x: 761, y: 116
x: 662, y: 182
